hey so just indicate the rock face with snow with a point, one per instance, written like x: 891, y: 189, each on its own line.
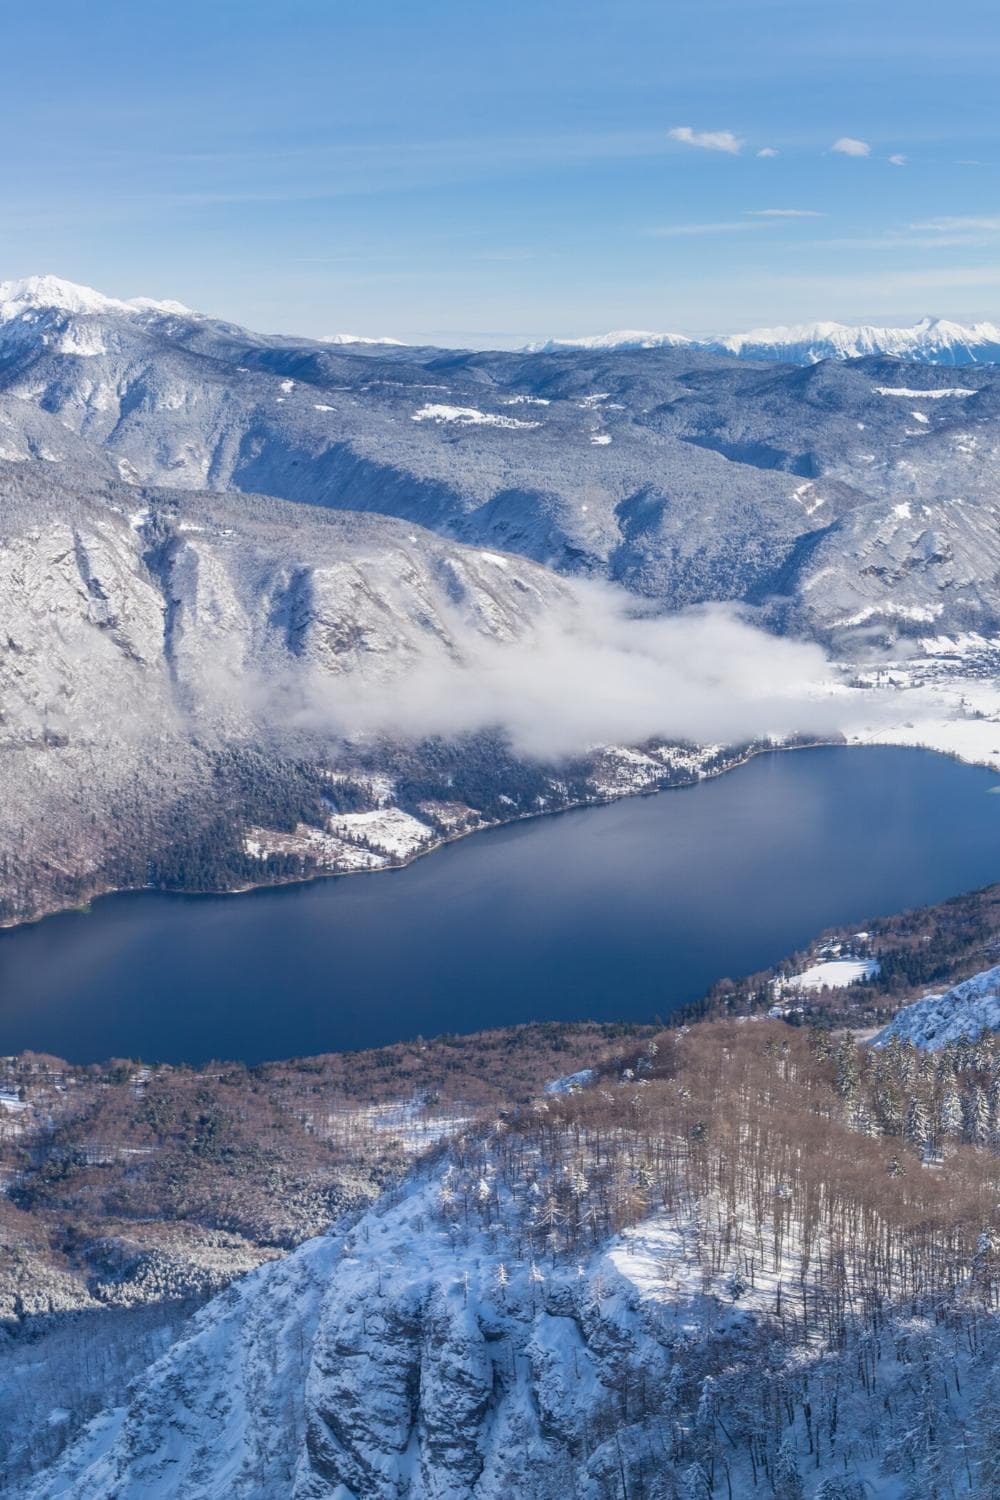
x: 422, y: 1354
x: 962, y: 1013
x: 413, y: 1358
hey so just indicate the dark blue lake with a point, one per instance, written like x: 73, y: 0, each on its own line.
x: 619, y: 911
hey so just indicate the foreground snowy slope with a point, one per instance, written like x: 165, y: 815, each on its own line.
x: 691, y: 1275
x: 963, y: 1013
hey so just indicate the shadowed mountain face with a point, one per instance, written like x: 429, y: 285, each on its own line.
x: 835, y: 497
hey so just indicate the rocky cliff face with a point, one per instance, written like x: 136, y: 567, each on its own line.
x: 406, y: 1357
x: 425, y: 1354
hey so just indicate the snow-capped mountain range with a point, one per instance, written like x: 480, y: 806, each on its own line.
x: 932, y: 340
x: 935, y: 341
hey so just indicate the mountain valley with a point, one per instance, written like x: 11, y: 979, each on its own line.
x: 445, y: 502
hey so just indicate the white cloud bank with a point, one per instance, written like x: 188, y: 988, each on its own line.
x: 848, y: 145
x: 707, y: 140
x: 592, y: 673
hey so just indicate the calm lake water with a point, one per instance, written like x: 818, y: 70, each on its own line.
x: 619, y: 911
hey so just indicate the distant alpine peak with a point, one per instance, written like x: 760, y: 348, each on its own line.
x: 32, y: 294
x: 931, y: 340
x: 627, y: 338
x: 358, y: 338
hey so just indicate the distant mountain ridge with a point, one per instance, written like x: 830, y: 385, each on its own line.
x: 934, y: 341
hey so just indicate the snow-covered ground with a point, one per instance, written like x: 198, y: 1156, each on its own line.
x: 412, y: 1123
x: 834, y: 974
x: 467, y: 416
x: 387, y: 830
x: 943, y: 695
x: 910, y: 394
x: 424, y: 1352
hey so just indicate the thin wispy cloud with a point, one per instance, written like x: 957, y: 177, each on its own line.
x: 885, y: 286
x: 681, y: 231
x: 947, y: 223
x: 896, y: 241
x: 849, y: 145
x: 707, y: 140
x: 898, y: 159
x: 785, y: 213
x: 767, y: 152
x: 946, y: 231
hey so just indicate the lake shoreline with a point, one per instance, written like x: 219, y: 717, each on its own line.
x: 100, y: 893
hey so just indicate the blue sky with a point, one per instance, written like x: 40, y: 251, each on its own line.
x: 491, y: 173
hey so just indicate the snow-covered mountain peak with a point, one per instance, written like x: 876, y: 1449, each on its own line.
x: 162, y: 305
x: 358, y: 338
x: 626, y: 338
x: 931, y: 337
x: 34, y: 294
x: 42, y: 293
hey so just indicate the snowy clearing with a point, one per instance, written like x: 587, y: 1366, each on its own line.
x: 387, y: 830
x: 911, y: 395
x: 467, y: 416
x: 835, y: 974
